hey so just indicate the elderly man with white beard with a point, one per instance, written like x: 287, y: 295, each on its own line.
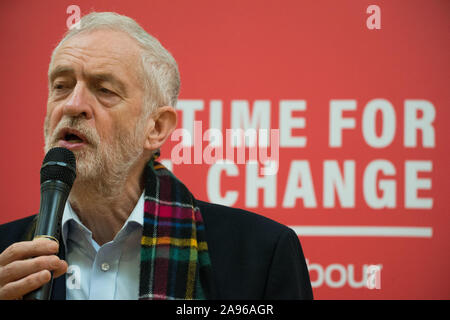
x: 130, y: 228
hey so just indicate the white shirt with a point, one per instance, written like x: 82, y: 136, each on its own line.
x: 106, y: 272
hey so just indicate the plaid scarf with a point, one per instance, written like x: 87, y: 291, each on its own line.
x: 175, y: 263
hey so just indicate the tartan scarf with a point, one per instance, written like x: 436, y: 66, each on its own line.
x: 175, y: 262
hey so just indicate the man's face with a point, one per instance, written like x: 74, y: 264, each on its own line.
x: 95, y: 101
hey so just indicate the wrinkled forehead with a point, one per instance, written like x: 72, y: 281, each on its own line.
x: 99, y: 51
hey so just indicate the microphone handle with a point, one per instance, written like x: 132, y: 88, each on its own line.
x: 54, y: 195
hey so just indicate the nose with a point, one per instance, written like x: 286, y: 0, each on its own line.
x: 78, y: 104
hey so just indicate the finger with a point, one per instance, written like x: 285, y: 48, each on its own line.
x: 28, y: 249
x: 62, y: 269
x: 17, y: 289
x: 22, y: 268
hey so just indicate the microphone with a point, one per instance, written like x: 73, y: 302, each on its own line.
x: 58, y: 173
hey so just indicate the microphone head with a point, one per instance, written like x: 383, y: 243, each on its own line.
x: 59, y: 164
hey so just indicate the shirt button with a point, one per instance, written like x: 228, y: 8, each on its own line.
x: 105, y: 266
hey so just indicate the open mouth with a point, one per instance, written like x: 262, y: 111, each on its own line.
x: 71, y: 138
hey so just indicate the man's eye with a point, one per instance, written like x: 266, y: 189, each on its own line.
x: 58, y: 86
x: 105, y: 91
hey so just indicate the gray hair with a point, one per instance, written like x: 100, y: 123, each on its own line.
x: 161, y: 75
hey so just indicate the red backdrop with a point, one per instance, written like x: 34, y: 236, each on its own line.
x: 389, y: 169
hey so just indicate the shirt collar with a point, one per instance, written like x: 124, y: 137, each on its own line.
x: 136, y: 217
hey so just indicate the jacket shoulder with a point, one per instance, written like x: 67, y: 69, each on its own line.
x: 246, y: 250
x: 14, y: 231
x: 235, y: 220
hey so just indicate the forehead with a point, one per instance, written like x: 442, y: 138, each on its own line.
x: 100, y: 51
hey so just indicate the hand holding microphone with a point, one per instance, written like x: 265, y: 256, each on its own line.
x: 26, y: 266
x: 32, y: 265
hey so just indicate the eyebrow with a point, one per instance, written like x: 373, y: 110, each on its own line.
x: 58, y: 71
x: 96, y: 77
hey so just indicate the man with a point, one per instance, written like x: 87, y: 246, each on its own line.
x: 130, y: 229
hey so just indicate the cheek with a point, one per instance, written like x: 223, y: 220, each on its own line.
x: 106, y: 128
x: 52, y: 119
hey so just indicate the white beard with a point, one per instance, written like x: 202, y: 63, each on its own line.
x: 101, y: 167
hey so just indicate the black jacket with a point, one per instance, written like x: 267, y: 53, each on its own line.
x: 252, y: 257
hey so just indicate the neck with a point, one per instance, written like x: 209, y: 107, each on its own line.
x: 104, y: 207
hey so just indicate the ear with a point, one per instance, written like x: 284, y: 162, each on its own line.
x: 162, y: 122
